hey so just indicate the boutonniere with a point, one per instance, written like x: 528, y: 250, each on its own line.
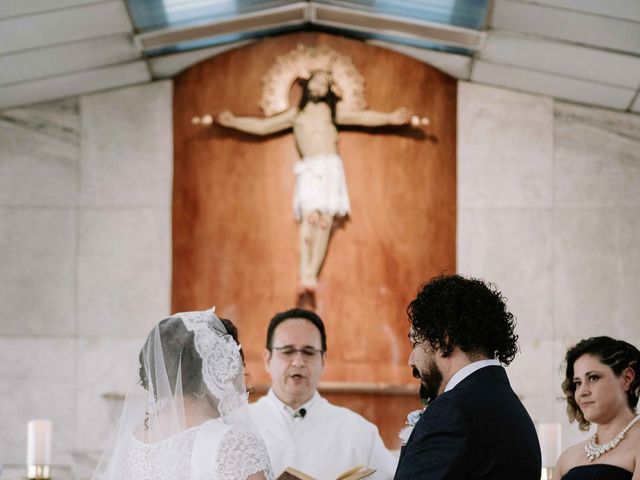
x: 412, y: 419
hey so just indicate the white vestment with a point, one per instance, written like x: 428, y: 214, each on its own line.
x: 324, y: 443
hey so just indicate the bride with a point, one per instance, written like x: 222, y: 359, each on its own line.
x: 186, y: 417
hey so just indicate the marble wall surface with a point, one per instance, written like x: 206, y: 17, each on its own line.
x: 548, y: 210
x: 549, y: 202
x: 85, y: 195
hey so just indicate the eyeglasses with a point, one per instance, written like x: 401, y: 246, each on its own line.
x: 308, y: 353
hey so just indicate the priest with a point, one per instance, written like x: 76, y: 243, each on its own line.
x: 300, y: 428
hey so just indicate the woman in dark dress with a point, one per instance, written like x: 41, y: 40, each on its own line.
x: 602, y: 385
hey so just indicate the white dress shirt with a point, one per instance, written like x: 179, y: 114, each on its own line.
x: 464, y: 372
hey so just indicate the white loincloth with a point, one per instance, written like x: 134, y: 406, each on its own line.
x: 320, y: 186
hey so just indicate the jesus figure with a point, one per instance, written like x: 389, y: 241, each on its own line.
x: 320, y: 194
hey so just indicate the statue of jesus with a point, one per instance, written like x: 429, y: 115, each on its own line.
x: 320, y: 194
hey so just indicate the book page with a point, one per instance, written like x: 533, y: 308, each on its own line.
x: 291, y: 473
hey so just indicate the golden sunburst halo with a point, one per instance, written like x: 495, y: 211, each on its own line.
x: 299, y: 63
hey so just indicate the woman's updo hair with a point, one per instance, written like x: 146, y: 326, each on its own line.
x: 233, y: 331
x: 179, y: 351
x: 617, y: 354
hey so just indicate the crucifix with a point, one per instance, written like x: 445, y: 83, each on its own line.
x: 332, y: 96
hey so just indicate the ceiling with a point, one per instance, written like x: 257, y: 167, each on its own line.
x: 583, y: 51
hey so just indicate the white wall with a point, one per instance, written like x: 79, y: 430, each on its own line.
x: 549, y: 202
x: 85, y: 221
x: 549, y: 210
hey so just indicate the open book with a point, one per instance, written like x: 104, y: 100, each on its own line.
x: 354, y: 473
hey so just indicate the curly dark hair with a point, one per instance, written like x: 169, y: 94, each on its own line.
x: 454, y: 311
x: 617, y: 354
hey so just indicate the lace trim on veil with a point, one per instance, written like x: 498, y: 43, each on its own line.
x: 221, y: 361
x: 241, y: 453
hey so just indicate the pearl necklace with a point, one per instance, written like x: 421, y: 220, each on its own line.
x: 593, y: 450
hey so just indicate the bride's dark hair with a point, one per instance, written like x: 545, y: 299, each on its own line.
x: 178, y: 350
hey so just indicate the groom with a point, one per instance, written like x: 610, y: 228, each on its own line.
x: 475, y: 427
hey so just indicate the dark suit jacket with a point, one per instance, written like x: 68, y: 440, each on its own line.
x: 477, y: 430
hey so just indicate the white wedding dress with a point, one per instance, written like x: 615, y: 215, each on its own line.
x: 186, y: 418
x: 211, y: 451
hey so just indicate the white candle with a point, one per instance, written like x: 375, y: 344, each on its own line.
x: 39, y: 442
x: 550, y: 435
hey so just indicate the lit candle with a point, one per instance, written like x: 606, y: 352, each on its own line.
x: 550, y: 435
x: 39, y: 442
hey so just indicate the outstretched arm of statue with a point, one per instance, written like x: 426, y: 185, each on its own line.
x: 257, y: 125
x: 371, y: 118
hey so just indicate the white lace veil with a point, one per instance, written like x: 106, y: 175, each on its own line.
x: 186, y: 415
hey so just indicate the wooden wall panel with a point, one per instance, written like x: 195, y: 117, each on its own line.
x: 235, y: 243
